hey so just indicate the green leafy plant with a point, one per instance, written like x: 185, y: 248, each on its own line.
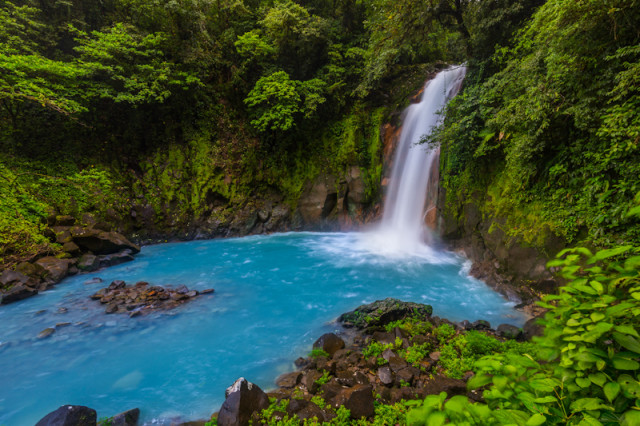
x: 326, y: 376
x: 317, y: 352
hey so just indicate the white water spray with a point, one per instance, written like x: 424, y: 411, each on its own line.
x: 402, y: 230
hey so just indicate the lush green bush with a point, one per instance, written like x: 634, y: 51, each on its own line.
x: 586, y: 368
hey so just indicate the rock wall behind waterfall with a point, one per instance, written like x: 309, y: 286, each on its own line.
x: 509, y: 264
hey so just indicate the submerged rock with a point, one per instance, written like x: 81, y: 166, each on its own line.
x: 46, y: 332
x: 70, y: 415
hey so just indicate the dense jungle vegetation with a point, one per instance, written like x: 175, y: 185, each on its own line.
x: 181, y: 105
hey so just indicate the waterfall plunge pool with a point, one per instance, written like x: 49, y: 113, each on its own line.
x: 275, y: 295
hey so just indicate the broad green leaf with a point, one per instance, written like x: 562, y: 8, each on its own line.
x: 436, y: 418
x: 598, y: 378
x: 587, y: 420
x: 626, y: 329
x: 630, y: 418
x: 597, y: 316
x: 545, y: 400
x: 627, y: 342
x: 588, y: 404
x: 625, y: 363
x: 583, y: 382
x: 632, y: 262
x: 536, y: 420
x: 478, y: 381
x: 597, y: 286
x: 629, y: 385
x: 605, y: 254
x: 457, y: 404
x: 611, y: 390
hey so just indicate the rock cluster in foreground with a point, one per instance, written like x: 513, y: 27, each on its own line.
x: 337, y: 374
x: 142, y: 298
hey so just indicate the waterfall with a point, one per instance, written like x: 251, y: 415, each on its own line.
x: 402, y: 229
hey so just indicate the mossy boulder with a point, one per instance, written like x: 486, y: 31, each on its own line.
x: 381, y: 312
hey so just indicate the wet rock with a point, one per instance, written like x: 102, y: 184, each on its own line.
x: 385, y: 376
x: 243, y: 398
x: 445, y: 384
x: 406, y: 375
x: 65, y: 220
x: 46, y: 333
x: 9, y: 278
x: 330, y: 390
x: 358, y: 399
x: 116, y: 284
x: 296, y: 405
x: 384, y: 338
x: 71, y: 247
x: 310, y: 380
x: 55, y: 269
x: 301, y: 362
x: 531, y: 328
x: 382, y: 312
x: 30, y: 269
x: 94, y: 280
x: 63, y: 235
x: 15, y: 293
x: 481, y: 325
x: 330, y: 343
x: 289, y: 380
x: 88, y: 262
x: 140, y: 299
x: 396, y: 363
x: 127, y: 418
x: 70, y: 415
x: 207, y: 291
x: 101, y: 242
x: 311, y: 411
x: 509, y: 331
x: 116, y: 258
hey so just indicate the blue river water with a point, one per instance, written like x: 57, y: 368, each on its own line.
x: 274, y: 295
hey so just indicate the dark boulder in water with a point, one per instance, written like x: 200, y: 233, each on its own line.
x: 330, y: 343
x: 70, y: 415
x: 243, y: 400
x: 382, y: 312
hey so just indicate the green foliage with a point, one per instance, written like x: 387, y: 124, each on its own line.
x: 277, y: 101
x: 585, y: 371
x: 375, y: 348
x: 326, y: 377
x: 437, y: 410
x: 317, y: 352
x: 30, y: 190
x: 444, y: 333
x: 458, y: 355
x: 553, y: 133
x: 133, y: 64
x: 413, y: 326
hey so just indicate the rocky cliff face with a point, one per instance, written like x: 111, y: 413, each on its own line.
x: 507, y: 263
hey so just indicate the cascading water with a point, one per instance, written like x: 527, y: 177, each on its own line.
x: 402, y: 230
